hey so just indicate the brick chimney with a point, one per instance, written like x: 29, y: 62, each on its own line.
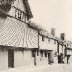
x: 53, y: 31
x: 62, y: 36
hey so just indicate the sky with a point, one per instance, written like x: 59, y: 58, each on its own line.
x: 53, y: 14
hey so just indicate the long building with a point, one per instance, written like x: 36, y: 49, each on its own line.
x: 22, y: 42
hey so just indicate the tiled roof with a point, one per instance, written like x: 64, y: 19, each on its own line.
x: 43, y: 32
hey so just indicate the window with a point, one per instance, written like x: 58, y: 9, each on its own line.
x: 19, y: 14
x: 42, y: 38
x: 24, y: 17
x: 33, y: 53
x: 41, y: 52
x: 16, y: 13
x: 45, y: 54
x: 37, y: 52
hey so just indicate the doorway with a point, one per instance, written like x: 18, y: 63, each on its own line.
x: 34, y: 55
x: 11, y: 58
x: 49, y: 57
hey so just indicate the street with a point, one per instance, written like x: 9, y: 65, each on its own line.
x: 48, y: 68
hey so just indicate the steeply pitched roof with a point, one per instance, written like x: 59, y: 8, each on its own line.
x: 6, y: 5
x: 28, y: 10
x: 42, y: 31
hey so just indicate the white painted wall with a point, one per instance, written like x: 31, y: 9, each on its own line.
x: 49, y: 46
x: 28, y: 59
x: 42, y: 60
x: 3, y: 58
x: 23, y: 58
x: 18, y: 58
x: 61, y: 49
x: 46, y: 44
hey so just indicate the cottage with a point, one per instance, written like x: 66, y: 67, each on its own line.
x: 18, y: 41
x: 64, y: 50
x: 47, y: 47
x: 68, y: 51
x: 22, y: 42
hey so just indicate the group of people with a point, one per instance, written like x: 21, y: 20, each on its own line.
x: 61, y: 58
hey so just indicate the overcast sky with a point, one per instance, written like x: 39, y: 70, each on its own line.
x: 53, y: 14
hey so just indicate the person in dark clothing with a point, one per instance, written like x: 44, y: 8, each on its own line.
x: 60, y: 58
x: 68, y: 56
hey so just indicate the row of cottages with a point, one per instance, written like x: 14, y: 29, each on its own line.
x: 47, y: 44
x: 69, y: 51
x: 64, y: 50
x: 22, y: 43
x: 17, y: 40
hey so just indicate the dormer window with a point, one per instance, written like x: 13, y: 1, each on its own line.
x: 24, y: 17
x: 16, y: 13
x: 20, y: 15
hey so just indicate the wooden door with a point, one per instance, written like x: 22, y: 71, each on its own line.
x: 11, y: 58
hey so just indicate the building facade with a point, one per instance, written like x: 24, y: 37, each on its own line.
x: 18, y: 41
x: 22, y: 42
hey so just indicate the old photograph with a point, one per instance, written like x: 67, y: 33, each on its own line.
x: 35, y: 36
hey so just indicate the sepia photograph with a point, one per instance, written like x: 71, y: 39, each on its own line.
x: 35, y: 36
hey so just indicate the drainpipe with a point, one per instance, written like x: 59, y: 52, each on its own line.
x: 58, y: 51
x: 58, y: 48
x: 38, y: 40
x: 65, y: 51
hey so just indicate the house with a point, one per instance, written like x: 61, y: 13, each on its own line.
x: 64, y: 50
x: 22, y: 42
x: 18, y: 41
x: 47, y: 47
x: 68, y: 51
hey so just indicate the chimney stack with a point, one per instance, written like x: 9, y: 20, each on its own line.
x: 62, y: 36
x: 53, y: 31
